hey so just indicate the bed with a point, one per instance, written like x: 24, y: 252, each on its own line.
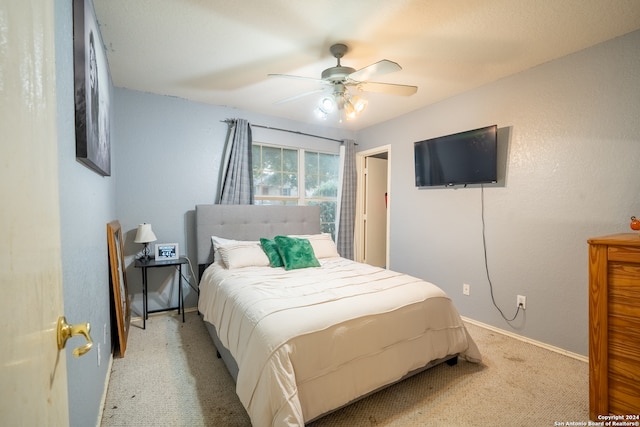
x: 301, y: 342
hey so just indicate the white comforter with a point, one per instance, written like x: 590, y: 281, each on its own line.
x: 307, y: 341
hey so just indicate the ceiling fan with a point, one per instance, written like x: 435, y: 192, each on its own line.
x: 340, y: 78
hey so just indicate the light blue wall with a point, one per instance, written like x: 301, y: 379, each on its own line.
x: 87, y: 204
x: 169, y: 155
x: 571, y: 171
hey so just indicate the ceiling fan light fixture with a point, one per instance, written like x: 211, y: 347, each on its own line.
x: 353, y: 106
x: 359, y: 104
x: 320, y: 114
x: 350, y: 112
x: 327, y: 104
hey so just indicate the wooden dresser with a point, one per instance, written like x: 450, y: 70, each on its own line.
x: 614, y: 325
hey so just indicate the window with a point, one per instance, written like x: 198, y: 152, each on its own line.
x: 276, y: 180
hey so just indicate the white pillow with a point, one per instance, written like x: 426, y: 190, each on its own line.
x: 322, y: 244
x: 243, y: 254
x: 219, y: 241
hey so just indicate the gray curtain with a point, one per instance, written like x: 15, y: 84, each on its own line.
x: 236, y: 180
x: 347, y: 202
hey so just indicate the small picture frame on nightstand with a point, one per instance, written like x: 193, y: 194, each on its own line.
x: 167, y: 251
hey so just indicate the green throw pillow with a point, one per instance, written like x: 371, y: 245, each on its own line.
x: 296, y: 252
x: 270, y: 247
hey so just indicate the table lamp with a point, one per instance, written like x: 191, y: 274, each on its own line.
x: 145, y: 235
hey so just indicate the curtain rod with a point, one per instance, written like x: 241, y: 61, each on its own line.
x: 290, y: 131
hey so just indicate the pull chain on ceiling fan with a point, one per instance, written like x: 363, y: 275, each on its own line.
x: 340, y: 79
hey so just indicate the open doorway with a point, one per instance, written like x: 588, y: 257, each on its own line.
x: 373, y: 206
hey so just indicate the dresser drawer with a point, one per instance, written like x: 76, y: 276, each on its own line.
x: 624, y: 253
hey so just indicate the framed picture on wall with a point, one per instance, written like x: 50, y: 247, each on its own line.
x: 92, y: 90
x: 166, y: 251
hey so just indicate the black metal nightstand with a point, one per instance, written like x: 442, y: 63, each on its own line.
x: 152, y: 263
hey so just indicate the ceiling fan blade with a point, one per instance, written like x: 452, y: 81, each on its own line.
x: 301, y: 95
x: 374, y: 70
x: 388, y: 88
x: 288, y: 76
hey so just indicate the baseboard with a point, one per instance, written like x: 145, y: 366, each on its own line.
x: 559, y: 350
x: 103, y: 401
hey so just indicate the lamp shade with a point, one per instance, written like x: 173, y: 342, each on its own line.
x: 145, y: 234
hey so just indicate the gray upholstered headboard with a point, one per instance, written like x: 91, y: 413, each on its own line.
x: 251, y: 222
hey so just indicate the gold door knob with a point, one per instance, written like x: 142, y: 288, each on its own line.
x: 66, y: 331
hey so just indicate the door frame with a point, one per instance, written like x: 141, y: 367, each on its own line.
x: 361, y: 157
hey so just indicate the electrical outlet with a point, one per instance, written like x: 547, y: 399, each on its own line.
x: 465, y: 289
x: 521, y: 302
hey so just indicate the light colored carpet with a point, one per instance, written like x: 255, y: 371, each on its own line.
x: 170, y: 376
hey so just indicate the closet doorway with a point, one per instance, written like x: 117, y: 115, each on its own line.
x: 372, y: 215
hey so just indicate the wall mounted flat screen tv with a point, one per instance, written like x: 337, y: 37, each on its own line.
x: 463, y: 158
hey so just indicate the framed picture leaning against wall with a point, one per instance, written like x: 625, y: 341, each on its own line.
x: 119, y: 288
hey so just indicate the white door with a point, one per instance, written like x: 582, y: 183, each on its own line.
x: 33, y: 381
x: 375, y: 212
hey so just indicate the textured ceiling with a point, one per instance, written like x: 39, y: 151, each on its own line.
x: 220, y: 51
